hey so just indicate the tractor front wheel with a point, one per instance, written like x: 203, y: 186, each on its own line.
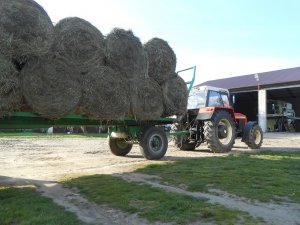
x: 220, y: 132
x: 253, y: 135
x: 182, y: 141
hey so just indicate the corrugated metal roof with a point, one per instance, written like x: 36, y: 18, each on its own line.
x: 272, y: 78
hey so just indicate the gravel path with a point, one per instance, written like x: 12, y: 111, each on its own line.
x: 45, y: 161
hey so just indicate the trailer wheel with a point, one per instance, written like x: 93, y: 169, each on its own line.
x: 118, y: 146
x: 220, y: 132
x: 253, y: 135
x: 153, y: 143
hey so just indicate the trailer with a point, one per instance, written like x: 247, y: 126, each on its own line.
x: 151, y: 135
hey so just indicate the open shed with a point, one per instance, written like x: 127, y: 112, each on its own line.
x: 272, y: 98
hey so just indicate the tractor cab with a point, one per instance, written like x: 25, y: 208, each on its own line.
x: 207, y: 96
x: 204, y: 100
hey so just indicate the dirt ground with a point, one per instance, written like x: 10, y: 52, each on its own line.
x: 44, y: 161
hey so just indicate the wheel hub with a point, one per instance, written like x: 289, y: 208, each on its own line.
x: 225, y: 131
x: 222, y: 131
x: 155, y: 143
x: 121, y: 144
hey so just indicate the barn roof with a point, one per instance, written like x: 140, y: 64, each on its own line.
x: 266, y: 79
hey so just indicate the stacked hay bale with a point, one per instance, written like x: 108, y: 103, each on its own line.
x: 25, y: 30
x: 175, y: 96
x: 10, y: 94
x: 162, y: 60
x: 82, y: 46
x: 125, y: 54
x: 79, y: 43
x: 105, y: 94
x: 146, y: 99
x: 162, y: 64
x: 49, y: 88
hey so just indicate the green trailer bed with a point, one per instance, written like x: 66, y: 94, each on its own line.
x: 28, y: 120
x: 123, y: 133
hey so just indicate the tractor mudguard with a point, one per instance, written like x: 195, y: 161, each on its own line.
x: 205, y: 113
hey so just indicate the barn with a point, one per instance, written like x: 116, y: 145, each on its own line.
x: 272, y: 98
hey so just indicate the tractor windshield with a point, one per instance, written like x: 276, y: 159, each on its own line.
x: 196, y: 100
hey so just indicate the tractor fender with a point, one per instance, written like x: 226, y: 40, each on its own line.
x: 207, y: 112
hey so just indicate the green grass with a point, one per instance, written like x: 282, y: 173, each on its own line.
x: 43, y: 135
x: 264, y: 176
x: 24, y: 206
x: 154, y: 204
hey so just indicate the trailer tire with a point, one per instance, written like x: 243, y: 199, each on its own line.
x: 118, y: 146
x: 253, y: 135
x: 153, y: 143
x: 220, y: 132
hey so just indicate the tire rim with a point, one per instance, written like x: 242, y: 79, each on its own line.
x: 257, y: 137
x: 121, y: 144
x: 155, y: 143
x: 225, y: 131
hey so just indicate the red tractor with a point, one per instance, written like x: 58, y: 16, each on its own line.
x: 211, y: 118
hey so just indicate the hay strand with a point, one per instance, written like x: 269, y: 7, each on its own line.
x: 10, y: 94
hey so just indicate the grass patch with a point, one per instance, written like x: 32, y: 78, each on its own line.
x: 263, y: 176
x: 43, y: 135
x: 154, y: 204
x: 24, y: 206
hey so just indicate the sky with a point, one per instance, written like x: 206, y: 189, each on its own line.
x: 222, y: 38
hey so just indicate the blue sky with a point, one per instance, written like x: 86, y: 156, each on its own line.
x: 222, y: 38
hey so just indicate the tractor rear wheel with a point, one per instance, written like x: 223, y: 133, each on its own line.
x: 220, y: 132
x: 118, y: 146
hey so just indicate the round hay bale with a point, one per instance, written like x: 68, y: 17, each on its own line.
x: 125, y: 53
x: 146, y: 99
x: 175, y: 96
x: 10, y: 94
x: 79, y: 42
x: 49, y: 87
x: 105, y: 94
x: 162, y: 60
x: 26, y: 29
